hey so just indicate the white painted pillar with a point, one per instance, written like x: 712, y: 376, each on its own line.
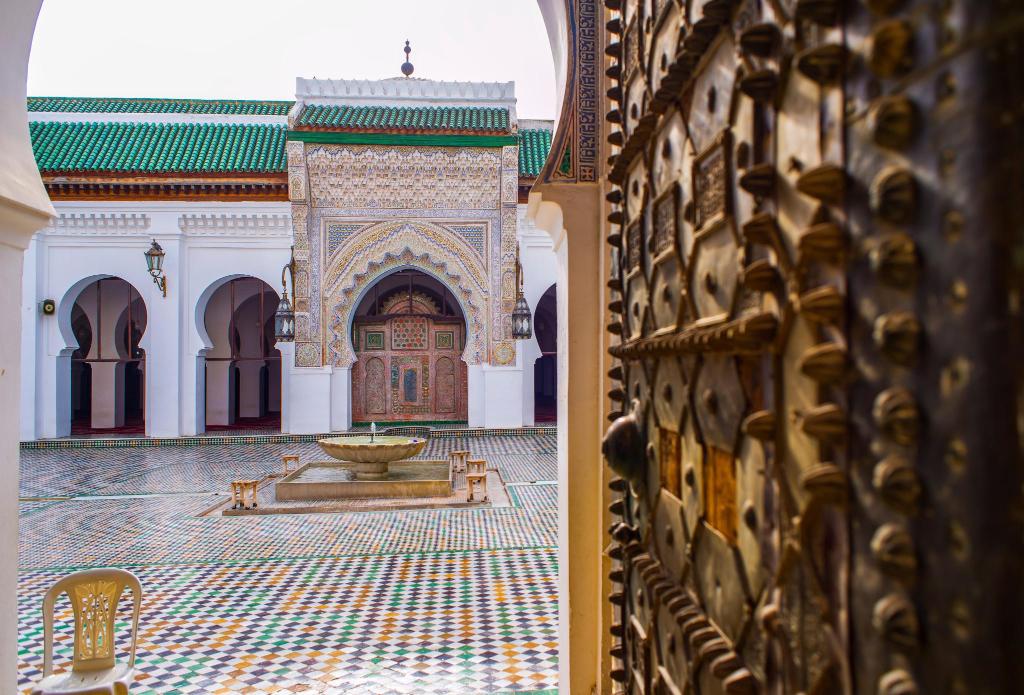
x: 161, y: 342
x: 218, y: 392
x: 274, y: 392
x: 341, y: 399
x: 249, y: 404
x: 503, y: 394
x: 477, y: 401
x: 107, y: 394
x: 30, y: 319
x: 527, y: 353
x: 287, y: 351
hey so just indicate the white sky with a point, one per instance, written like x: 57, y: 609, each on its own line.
x: 254, y: 49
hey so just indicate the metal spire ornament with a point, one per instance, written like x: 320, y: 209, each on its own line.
x: 407, y: 67
x: 522, y: 317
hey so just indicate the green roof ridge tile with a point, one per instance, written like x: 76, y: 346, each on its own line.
x: 235, y: 107
x: 440, y: 118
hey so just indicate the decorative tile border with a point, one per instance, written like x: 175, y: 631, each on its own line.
x: 407, y: 430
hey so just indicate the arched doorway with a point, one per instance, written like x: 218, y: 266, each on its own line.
x: 409, y: 333
x: 243, y: 368
x: 108, y: 367
x: 545, y: 369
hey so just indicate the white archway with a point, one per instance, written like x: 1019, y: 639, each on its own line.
x: 113, y: 363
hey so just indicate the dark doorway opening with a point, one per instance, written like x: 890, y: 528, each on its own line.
x: 545, y: 369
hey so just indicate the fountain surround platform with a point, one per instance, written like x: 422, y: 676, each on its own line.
x: 320, y: 480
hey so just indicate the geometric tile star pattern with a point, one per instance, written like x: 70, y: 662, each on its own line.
x: 426, y: 601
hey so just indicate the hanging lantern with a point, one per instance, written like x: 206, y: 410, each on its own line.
x: 155, y: 265
x: 284, y: 317
x: 284, y: 320
x: 522, y: 317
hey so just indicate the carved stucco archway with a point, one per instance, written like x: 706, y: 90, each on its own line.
x: 404, y: 244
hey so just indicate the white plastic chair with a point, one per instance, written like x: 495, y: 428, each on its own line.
x: 94, y: 597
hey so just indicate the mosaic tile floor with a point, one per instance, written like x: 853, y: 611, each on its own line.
x: 431, y: 601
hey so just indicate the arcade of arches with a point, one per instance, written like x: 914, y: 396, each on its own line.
x: 409, y: 334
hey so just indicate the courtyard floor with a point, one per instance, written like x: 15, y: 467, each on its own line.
x: 425, y: 601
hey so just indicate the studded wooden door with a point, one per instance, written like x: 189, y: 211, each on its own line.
x: 814, y: 226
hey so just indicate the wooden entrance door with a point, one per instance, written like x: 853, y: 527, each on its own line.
x: 409, y: 366
x: 815, y: 335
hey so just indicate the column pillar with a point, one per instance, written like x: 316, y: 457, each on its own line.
x: 475, y: 388
x: 107, y: 395
x: 341, y: 399
x: 249, y: 401
x: 219, y: 388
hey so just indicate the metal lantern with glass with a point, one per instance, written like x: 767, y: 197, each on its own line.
x: 522, y: 317
x: 284, y: 317
x: 155, y: 264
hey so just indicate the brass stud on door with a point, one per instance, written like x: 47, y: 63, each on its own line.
x: 895, y: 619
x: 826, y: 422
x: 898, y: 484
x: 825, y: 182
x: 826, y: 363
x: 896, y: 413
x: 823, y: 12
x: 894, y: 195
x: 822, y: 304
x: 892, y: 49
x: 823, y: 242
x: 893, y: 549
x: 898, y: 337
x: 895, y: 260
x: 761, y: 39
x: 894, y: 122
x: 822, y: 64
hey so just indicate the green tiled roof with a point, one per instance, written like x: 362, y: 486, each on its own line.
x: 158, y: 147
x: 533, y: 151
x: 123, y: 105
x: 406, y: 119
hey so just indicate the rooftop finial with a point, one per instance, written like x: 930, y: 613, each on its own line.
x: 407, y: 67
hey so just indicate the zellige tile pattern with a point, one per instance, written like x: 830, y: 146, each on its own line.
x: 426, y: 601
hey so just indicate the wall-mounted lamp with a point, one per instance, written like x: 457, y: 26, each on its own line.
x: 522, y: 317
x: 284, y: 317
x: 155, y: 263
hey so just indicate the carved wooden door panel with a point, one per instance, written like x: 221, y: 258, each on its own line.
x: 796, y: 265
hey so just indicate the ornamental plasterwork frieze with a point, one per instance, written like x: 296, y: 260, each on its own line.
x: 372, y: 176
x: 297, y: 180
x: 236, y: 225
x: 363, y: 274
x: 90, y: 224
x: 393, y: 237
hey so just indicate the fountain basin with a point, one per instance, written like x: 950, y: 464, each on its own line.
x: 321, y: 480
x: 372, y: 454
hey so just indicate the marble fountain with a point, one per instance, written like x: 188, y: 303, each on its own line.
x: 368, y: 466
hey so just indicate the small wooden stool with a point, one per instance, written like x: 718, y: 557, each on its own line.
x: 288, y: 460
x: 476, y: 473
x: 243, y: 493
x: 458, y: 460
